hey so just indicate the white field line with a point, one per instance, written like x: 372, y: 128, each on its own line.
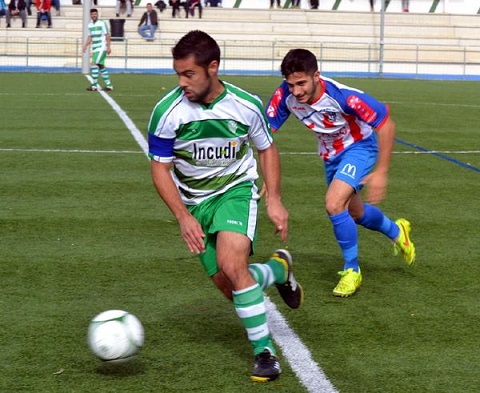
x: 73, y: 151
x: 297, y: 354
x: 286, y: 153
x: 307, y: 370
x: 409, y: 103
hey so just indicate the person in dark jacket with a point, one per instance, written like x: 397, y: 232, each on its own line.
x: 16, y: 8
x: 148, y: 23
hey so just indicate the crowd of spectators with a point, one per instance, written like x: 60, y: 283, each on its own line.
x: 21, y: 8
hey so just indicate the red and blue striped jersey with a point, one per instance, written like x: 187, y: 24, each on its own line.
x: 340, y: 117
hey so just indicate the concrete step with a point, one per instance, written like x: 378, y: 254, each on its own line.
x: 301, y: 26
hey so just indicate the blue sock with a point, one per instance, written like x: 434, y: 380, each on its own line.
x: 375, y: 220
x: 345, y: 231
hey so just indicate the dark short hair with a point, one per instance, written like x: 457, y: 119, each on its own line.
x: 93, y: 10
x: 199, y: 44
x: 299, y: 60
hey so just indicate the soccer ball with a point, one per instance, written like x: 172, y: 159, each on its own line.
x: 115, y: 336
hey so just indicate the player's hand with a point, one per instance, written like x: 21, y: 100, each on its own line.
x: 192, y: 234
x: 279, y: 216
x: 376, y: 187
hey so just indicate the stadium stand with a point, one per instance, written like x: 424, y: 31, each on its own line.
x: 284, y: 25
x: 451, y: 38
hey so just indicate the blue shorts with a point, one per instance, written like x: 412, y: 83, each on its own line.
x: 353, y: 164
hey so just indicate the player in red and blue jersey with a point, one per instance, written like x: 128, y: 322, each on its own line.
x: 355, y: 139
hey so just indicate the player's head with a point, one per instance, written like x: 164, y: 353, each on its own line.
x: 198, y: 44
x: 94, y: 14
x: 300, y: 69
x: 196, y: 58
x: 299, y: 60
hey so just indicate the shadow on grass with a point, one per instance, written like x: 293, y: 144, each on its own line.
x: 125, y: 369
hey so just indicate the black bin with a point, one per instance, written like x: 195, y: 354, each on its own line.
x: 116, y: 29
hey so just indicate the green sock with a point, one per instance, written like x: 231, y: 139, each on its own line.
x: 105, y: 76
x: 250, y: 307
x: 94, y: 72
x: 266, y: 274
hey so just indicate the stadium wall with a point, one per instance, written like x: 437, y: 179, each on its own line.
x: 415, y: 45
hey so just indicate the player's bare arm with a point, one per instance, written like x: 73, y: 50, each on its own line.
x: 377, y: 181
x: 87, y: 43
x: 270, y: 164
x: 190, y: 228
x: 108, y: 38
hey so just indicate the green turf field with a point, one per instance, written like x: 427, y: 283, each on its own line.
x: 82, y: 230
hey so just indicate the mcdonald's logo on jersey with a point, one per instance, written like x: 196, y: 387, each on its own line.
x: 349, y: 170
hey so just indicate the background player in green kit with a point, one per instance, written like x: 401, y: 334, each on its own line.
x: 99, y: 37
x: 203, y: 168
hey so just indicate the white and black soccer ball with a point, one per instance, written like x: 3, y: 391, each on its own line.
x: 115, y: 336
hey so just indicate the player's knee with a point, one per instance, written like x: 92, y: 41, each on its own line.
x: 333, y: 206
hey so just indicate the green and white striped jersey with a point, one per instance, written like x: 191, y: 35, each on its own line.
x: 209, y: 145
x: 98, y: 31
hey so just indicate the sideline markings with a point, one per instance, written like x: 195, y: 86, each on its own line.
x: 72, y: 151
x: 439, y: 155
x: 295, y: 352
x: 285, y: 153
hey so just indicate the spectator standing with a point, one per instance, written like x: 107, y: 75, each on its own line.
x: 99, y: 38
x: 295, y: 3
x: 176, y: 4
x: 272, y: 2
x: 43, y: 8
x: 314, y: 4
x: 405, y: 5
x: 125, y: 4
x: 372, y: 5
x: 56, y: 5
x: 191, y: 8
x: 148, y: 22
x: 16, y: 8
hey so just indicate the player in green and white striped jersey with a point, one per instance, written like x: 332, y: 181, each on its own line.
x: 203, y: 168
x: 99, y: 38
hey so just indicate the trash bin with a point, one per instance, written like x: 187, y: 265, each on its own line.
x: 116, y: 29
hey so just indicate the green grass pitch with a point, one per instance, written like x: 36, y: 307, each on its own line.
x: 82, y: 231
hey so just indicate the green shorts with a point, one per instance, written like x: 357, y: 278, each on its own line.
x: 99, y: 57
x: 234, y: 211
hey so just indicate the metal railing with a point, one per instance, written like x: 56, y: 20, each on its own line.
x: 251, y: 57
